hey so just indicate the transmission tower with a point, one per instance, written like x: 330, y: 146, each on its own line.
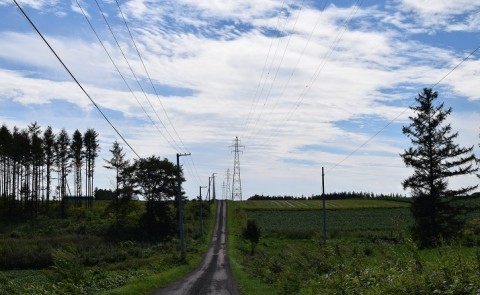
x: 236, y: 182
x: 228, y: 193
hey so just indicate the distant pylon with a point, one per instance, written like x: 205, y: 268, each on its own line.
x: 228, y: 192
x: 236, y: 181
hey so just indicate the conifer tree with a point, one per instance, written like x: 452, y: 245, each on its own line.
x: 435, y: 158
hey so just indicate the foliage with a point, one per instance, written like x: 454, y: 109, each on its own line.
x: 77, y: 255
x: 252, y: 233
x: 355, y: 262
x: 158, y: 220
x: 435, y: 158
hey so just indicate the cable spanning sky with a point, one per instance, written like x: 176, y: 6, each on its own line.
x: 303, y: 84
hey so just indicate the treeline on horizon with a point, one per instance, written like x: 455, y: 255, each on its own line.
x: 348, y: 195
x: 36, y: 166
x: 332, y: 196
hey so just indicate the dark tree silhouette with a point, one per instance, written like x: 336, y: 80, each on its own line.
x: 76, y: 150
x: 435, y: 158
x: 122, y: 196
x: 49, y: 154
x: 252, y: 233
x: 90, y: 140
x: 156, y: 180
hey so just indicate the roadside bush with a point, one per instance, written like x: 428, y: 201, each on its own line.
x: 24, y: 254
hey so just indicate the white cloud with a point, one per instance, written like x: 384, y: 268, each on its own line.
x: 369, y: 79
x: 443, y: 14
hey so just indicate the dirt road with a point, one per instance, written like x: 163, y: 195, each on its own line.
x: 213, y: 275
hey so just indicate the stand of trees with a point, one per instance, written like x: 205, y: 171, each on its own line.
x: 35, y: 165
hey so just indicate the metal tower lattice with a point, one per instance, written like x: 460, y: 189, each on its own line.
x: 236, y: 180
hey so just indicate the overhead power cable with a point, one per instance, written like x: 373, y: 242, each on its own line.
x: 73, y: 77
x: 285, y: 85
x: 175, y: 146
x: 316, y: 74
x: 278, y: 68
x: 403, y: 112
x: 190, y: 159
x: 256, y: 97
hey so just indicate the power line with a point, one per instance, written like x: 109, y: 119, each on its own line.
x: 403, y: 112
x: 317, y: 72
x: 190, y: 159
x: 174, y: 145
x: 73, y: 77
x: 278, y: 67
x: 296, y: 65
x: 256, y: 97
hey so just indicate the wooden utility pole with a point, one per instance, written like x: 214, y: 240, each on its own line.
x: 180, y: 211
x: 201, y: 213
x: 323, y: 208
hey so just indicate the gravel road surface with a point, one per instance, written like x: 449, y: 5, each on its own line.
x: 213, y: 275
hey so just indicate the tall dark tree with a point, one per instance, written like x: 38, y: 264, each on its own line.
x: 76, y: 150
x: 435, y: 159
x: 37, y: 158
x: 6, y: 140
x: 90, y: 141
x: 120, y: 204
x: 49, y: 153
x: 63, y: 164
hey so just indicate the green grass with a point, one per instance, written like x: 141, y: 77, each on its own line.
x: 317, y: 204
x: 369, y: 251
x: 246, y: 282
x: 81, y: 254
x: 145, y: 285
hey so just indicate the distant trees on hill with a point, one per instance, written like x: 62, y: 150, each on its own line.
x: 34, y: 166
x: 332, y: 196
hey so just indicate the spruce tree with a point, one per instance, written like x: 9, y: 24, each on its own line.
x: 435, y: 158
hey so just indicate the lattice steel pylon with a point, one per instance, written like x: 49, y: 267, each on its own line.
x: 236, y: 180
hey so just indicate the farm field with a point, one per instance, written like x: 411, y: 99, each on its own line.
x: 368, y: 251
x: 317, y: 204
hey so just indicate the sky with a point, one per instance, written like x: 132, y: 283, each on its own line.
x: 302, y: 84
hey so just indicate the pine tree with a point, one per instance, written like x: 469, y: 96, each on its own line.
x: 76, y: 150
x: 435, y: 158
x: 90, y: 142
x: 122, y: 196
x: 49, y: 152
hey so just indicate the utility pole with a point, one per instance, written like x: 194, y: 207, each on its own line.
x: 223, y: 190
x: 213, y: 178
x: 227, y: 190
x: 323, y: 206
x: 180, y: 213
x: 236, y: 182
x: 201, y: 213
x: 208, y: 193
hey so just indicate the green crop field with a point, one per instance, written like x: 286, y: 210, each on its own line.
x: 302, y: 223
x: 317, y: 204
x: 368, y: 250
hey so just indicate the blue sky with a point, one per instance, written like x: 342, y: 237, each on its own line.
x: 303, y: 84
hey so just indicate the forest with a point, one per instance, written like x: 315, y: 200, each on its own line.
x: 35, y: 164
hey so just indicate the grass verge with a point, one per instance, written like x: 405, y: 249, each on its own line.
x: 235, y: 244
